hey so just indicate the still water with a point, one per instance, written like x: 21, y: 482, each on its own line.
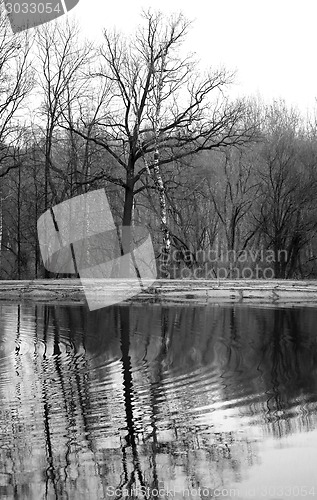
x: 152, y: 401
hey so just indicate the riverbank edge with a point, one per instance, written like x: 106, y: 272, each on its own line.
x: 70, y: 291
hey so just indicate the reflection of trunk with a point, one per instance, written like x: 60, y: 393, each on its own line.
x: 50, y: 471
x: 127, y: 375
x: 275, y: 402
x: 57, y: 350
x: 153, y: 389
x: 65, y: 396
x: 46, y: 314
x: 18, y: 334
x: 124, y: 313
x: 81, y: 374
x: 233, y: 327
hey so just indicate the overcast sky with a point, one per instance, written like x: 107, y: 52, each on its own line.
x: 271, y: 44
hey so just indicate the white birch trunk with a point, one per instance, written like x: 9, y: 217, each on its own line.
x: 156, y: 167
x: 163, y: 208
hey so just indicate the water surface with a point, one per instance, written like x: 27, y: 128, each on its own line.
x: 153, y: 401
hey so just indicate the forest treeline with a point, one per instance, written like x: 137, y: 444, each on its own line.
x: 227, y: 188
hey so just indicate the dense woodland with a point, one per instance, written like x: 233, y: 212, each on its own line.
x: 220, y: 183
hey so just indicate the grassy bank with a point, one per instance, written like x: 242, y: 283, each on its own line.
x: 171, y: 291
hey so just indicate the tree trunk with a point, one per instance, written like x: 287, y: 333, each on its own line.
x: 126, y: 237
x: 19, y: 225
x: 128, y: 206
x: 157, y: 174
x: 163, y: 209
x: 1, y: 228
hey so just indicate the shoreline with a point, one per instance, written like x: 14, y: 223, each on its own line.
x: 266, y: 292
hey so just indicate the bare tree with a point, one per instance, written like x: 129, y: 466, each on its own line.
x: 15, y: 83
x: 62, y: 60
x: 234, y: 193
x: 287, y: 214
x: 157, y: 109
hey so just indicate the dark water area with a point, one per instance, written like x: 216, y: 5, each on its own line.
x: 153, y: 401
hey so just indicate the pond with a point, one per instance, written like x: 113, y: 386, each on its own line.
x: 157, y: 401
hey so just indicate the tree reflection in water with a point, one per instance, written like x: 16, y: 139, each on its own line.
x: 99, y: 404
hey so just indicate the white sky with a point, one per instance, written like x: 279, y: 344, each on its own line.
x: 271, y: 44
